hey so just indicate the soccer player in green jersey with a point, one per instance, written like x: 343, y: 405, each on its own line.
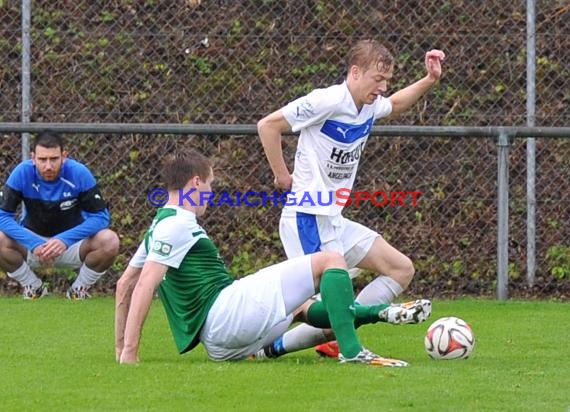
x: 234, y: 318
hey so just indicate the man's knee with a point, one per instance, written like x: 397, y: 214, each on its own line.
x: 406, y: 272
x: 4, y: 240
x: 109, y: 242
x: 333, y: 259
x: 322, y: 261
x: 12, y: 254
x: 8, y: 244
x: 408, y: 266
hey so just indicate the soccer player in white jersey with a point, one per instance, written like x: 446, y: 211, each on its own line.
x: 234, y: 319
x: 334, y: 125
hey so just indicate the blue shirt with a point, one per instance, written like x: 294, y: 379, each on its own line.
x: 70, y: 208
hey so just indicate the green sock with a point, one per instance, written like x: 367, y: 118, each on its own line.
x: 338, y: 299
x: 366, y: 314
x: 318, y: 317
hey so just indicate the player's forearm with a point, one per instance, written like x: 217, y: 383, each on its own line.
x: 274, y: 154
x: 140, y: 304
x: 403, y: 99
x: 123, y: 294
x: 120, y: 322
x: 270, y: 130
x: 271, y: 141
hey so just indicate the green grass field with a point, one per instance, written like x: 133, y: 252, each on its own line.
x: 59, y: 355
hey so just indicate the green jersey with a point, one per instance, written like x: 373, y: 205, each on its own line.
x: 196, y: 273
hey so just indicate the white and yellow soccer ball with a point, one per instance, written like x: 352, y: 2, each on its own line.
x: 449, y: 338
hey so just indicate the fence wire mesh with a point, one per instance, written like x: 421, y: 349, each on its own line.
x: 451, y: 234
x: 235, y: 61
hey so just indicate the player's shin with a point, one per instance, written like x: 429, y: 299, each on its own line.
x: 338, y: 298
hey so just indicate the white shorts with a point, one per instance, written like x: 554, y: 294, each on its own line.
x: 255, y: 310
x: 302, y: 233
x: 68, y: 259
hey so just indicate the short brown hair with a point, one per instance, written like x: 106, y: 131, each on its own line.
x: 49, y: 140
x: 179, y: 168
x: 368, y: 53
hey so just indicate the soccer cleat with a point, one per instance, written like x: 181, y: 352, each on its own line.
x: 77, y: 293
x: 415, y: 311
x: 259, y: 355
x: 271, y: 351
x: 33, y: 294
x: 328, y: 349
x: 370, y: 358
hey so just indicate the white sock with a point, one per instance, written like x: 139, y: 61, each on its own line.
x: 25, y: 276
x: 302, y: 337
x: 381, y: 290
x: 354, y: 272
x: 86, y: 278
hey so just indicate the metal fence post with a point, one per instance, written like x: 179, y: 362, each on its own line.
x: 531, y: 142
x: 503, y: 215
x: 26, y: 73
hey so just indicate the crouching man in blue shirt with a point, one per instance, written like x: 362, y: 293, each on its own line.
x: 64, y: 221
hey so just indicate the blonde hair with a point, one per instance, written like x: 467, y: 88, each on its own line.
x: 370, y: 53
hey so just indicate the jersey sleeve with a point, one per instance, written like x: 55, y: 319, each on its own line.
x: 139, y: 257
x: 309, y: 110
x: 383, y: 107
x: 10, y: 198
x: 14, y: 188
x: 90, y: 197
x: 170, y: 243
x: 91, y: 200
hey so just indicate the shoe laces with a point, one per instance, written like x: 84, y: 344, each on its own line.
x: 78, y: 293
x: 33, y: 293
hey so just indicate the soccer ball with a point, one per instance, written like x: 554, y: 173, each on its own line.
x: 449, y: 338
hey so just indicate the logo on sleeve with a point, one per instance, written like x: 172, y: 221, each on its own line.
x: 305, y: 110
x: 162, y: 248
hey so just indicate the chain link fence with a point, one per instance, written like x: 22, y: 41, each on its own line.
x: 235, y: 61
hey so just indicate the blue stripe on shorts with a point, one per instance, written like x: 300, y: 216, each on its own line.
x: 308, y: 233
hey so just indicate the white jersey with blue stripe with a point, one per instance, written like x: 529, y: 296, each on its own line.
x: 331, y: 142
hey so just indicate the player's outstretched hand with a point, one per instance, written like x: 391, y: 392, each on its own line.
x: 433, y: 63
